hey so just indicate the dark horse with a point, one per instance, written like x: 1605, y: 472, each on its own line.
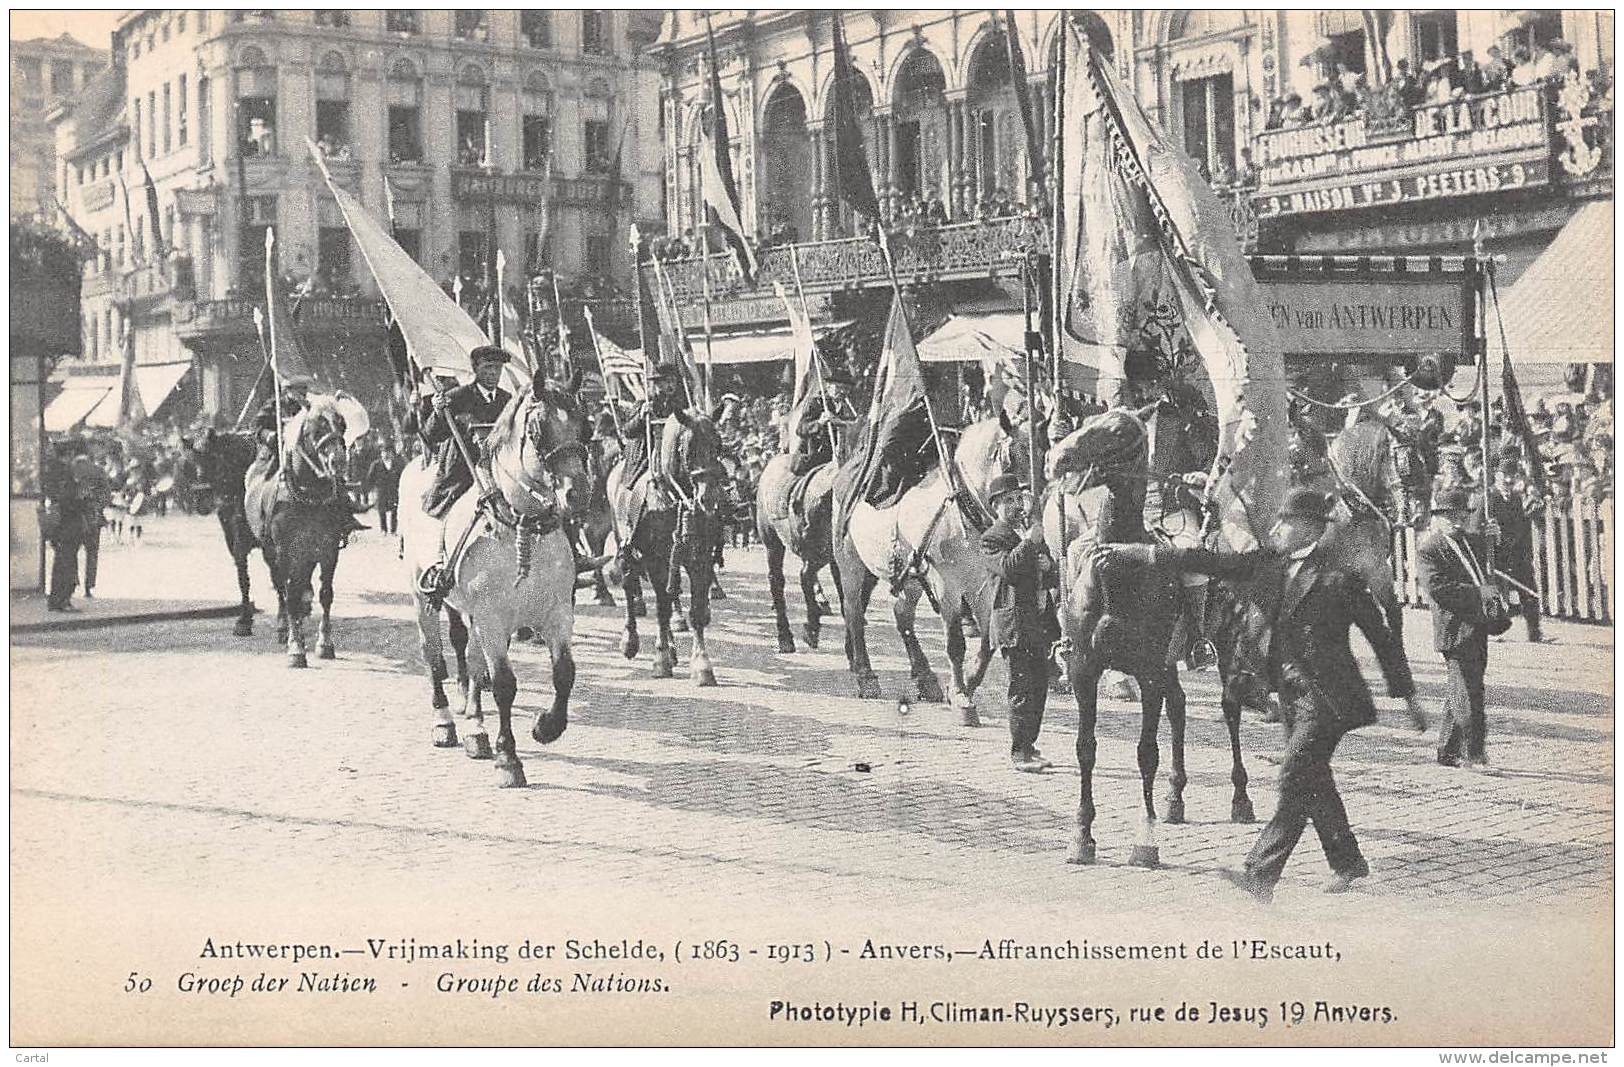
x: 298, y: 516
x: 224, y: 459
x: 671, y: 517
x: 807, y: 533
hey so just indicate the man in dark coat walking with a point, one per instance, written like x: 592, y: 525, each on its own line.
x: 1023, y: 618
x: 1450, y: 569
x: 383, y: 478
x: 65, y: 531
x: 1300, y: 608
x: 474, y: 407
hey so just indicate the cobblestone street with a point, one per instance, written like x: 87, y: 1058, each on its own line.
x: 174, y: 772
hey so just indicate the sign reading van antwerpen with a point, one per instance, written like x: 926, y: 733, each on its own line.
x: 1341, y: 318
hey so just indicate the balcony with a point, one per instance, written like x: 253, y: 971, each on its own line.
x: 151, y: 283
x: 956, y: 252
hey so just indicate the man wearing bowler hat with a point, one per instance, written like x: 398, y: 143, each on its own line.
x: 1451, y: 569
x: 1023, y: 618
x: 1299, y: 608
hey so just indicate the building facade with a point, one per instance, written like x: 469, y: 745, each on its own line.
x: 455, y: 124
x: 1505, y: 157
x: 44, y: 72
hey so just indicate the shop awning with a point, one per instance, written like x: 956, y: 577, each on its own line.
x: 973, y: 338
x: 1560, y: 310
x: 757, y: 346
x: 79, y: 397
x: 157, y: 380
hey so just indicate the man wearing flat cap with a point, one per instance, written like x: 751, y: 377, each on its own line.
x: 1023, y: 617
x: 1300, y: 605
x: 1452, y: 571
x: 812, y: 428
x: 475, y: 407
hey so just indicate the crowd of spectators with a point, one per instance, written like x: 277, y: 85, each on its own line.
x: 1347, y: 94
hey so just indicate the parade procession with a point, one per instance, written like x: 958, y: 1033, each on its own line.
x: 1214, y: 409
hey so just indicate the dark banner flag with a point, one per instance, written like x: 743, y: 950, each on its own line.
x: 153, y: 215
x: 852, y: 175
x: 1023, y: 103
x: 716, y: 171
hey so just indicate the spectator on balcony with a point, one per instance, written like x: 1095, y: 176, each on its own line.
x: 1405, y: 89
x: 1246, y: 170
x: 469, y: 154
x: 936, y: 212
x: 1496, y: 70
x: 1523, y: 70
x: 1327, y: 103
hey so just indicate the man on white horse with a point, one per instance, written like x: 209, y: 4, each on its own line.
x: 473, y: 407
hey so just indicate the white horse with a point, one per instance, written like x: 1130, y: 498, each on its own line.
x: 925, y: 544
x: 515, y: 570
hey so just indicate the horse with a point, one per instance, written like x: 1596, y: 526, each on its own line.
x: 672, y: 524
x: 807, y: 533
x: 224, y: 459
x: 297, y: 513
x: 926, y: 544
x: 516, y: 570
x: 597, y: 521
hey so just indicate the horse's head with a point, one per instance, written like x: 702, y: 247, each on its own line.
x: 549, y: 447
x: 1112, y: 446
x: 319, y: 451
x: 695, y: 465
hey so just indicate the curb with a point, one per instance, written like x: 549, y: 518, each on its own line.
x: 98, y: 621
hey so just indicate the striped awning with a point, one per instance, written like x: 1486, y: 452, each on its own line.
x: 1560, y: 309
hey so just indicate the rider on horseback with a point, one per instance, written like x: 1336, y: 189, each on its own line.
x: 473, y: 408
x: 646, y: 421
x: 294, y: 399
x: 813, y: 440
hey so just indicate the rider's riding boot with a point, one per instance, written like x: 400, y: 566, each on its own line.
x: 1202, y: 655
x: 435, y: 582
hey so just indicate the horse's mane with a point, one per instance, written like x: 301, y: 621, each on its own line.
x: 510, y: 422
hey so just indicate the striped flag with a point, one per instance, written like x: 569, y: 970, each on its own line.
x: 623, y: 372
x: 716, y: 171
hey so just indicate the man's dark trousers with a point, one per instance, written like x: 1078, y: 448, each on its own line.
x: 1465, y: 727
x: 1307, y: 792
x: 1028, y: 693
x: 93, y: 532
x: 64, y: 570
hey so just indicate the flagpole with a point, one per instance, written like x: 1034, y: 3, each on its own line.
x: 608, y: 379
x: 642, y: 341
x: 563, y: 333
x: 817, y: 362
x: 704, y: 273
x: 270, y: 305
x: 667, y: 289
x: 1057, y: 217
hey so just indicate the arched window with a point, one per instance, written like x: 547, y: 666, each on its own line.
x: 863, y: 106
x: 404, y: 93
x: 333, y: 106
x: 256, y: 104
x: 997, y: 157
x: 1204, y: 66
x: 472, y: 108
x: 920, y: 113
x: 786, y: 187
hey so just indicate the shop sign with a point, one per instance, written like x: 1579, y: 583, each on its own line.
x: 524, y: 188
x: 1441, y: 184
x: 1369, y: 317
x: 1500, y: 125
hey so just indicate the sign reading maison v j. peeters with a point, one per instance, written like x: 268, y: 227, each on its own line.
x: 1465, y: 147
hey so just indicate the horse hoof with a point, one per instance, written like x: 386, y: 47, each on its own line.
x: 811, y: 636
x: 968, y: 716
x: 1175, y: 810
x: 281, y: 635
x: 662, y: 668
x: 705, y: 678
x: 445, y: 735
x: 243, y: 629
x: 478, y: 746
x: 786, y: 643
x: 1145, y: 856
x: 510, y: 775
x: 1080, y: 853
x: 630, y: 646
x: 679, y: 625
x: 868, y: 687
x: 639, y: 609
x: 549, y: 728
x: 1241, y: 811
x: 604, y: 601
x: 298, y: 661
x: 327, y: 652
x: 930, y: 690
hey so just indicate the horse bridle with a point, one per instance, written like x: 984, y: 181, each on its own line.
x: 545, y: 489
